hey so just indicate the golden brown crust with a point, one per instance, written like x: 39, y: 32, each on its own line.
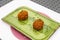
x: 38, y: 24
x: 23, y: 15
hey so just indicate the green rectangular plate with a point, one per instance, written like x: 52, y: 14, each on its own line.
x: 26, y: 27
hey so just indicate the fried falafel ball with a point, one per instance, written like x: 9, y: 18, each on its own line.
x: 38, y: 24
x: 23, y: 15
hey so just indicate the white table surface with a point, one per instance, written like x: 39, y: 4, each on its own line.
x: 5, y: 31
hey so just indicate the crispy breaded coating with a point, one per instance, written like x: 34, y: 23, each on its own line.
x: 23, y: 15
x: 38, y: 24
